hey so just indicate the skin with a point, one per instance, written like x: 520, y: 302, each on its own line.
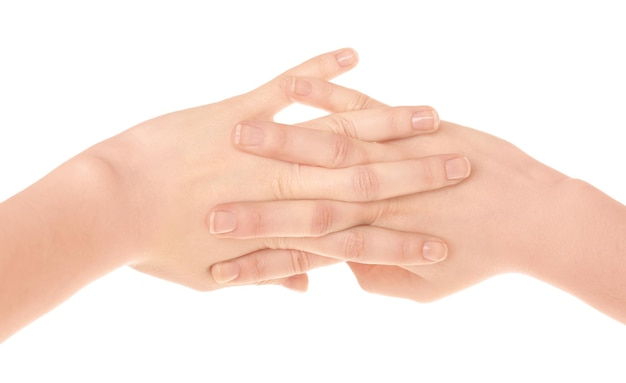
x: 141, y: 198
x: 513, y: 214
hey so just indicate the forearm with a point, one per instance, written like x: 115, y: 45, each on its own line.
x: 51, y: 242
x: 586, y: 254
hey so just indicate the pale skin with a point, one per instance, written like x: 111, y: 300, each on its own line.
x: 142, y: 198
x: 513, y: 214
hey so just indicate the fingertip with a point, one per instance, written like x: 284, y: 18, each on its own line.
x: 246, y: 134
x: 425, y: 120
x: 458, y: 168
x: 222, y: 222
x: 225, y: 272
x: 436, y: 119
x: 347, y: 57
x: 299, y: 283
x: 434, y: 251
x: 298, y: 87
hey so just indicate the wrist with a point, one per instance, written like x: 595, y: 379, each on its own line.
x: 53, y: 241
x: 585, y: 247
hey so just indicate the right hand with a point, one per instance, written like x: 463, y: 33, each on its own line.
x: 510, y: 215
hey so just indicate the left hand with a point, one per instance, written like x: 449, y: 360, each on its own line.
x: 160, y: 178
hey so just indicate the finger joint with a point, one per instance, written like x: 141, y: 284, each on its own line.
x: 365, y: 183
x: 354, y: 246
x: 323, y: 219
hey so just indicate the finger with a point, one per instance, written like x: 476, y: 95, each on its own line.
x: 268, y: 265
x: 298, y: 283
x: 333, y: 98
x: 381, y: 124
x: 309, y: 218
x: 370, y: 182
x: 270, y: 98
x: 306, y: 146
x: 392, y: 281
x: 371, y: 245
x: 336, y: 140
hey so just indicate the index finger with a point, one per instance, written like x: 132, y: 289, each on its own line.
x: 270, y: 98
x: 333, y: 98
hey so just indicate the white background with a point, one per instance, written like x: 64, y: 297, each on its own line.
x: 548, y: 76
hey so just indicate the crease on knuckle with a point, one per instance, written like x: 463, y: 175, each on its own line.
x: 255, y: 267
x: 300, y: 261
x: 384, y: 213
x: 408, y: 250
x: 344, y: 126
x: 395, y: 122
x: 360, y: 101
x: 340, y: 149
x: 323, y: 219
x: 283, y: 185
x: 428, y: 175
x: 259, y: 225
x: 354, y: 246
x: 366, y: 183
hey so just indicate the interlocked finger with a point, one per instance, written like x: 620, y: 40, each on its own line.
x: 370, y: 182
x: 309, y: 218
x: 264, y: 102
x: 337, y: 140
x: 333, y: 98
x: 268, y: 265
x: 371, y: 245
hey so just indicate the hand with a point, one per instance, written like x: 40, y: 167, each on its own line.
x: 164, y: 175
x: 513, y: 214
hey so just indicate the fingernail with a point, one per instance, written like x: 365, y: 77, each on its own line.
x: 301, y: 87
x: 248, y: 135
x: 346, y: 58
x: 434, y: 251
x: 457, y: 168
x: 221, y: 222
x: 225, y: 272
x: 425, y: 120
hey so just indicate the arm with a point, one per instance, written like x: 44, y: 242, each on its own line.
x: 513, y: 214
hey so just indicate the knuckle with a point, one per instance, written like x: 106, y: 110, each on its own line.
x: 354, y: 246
x: 282, y: 186
x: 323, y: 219
x: 359, y: 101
x: 428, y: 175
x: 300, y: 262
x: 365, y: 183
x: 340, y: 148
x: 408, y: 249
x: 344, y: 126
x: 259, y: 225
x: 385, y: 212
x: 255, y: 268
x: 394, y: 122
